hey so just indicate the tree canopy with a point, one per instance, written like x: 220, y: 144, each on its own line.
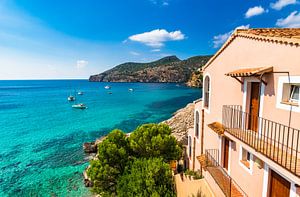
x: 155, y: 140
x: 146, y: 177
x: 135, y: 166
x: 113, y: 155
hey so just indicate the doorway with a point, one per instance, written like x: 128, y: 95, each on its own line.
x: 279, y: 187
x: 254, y: 107
x: 226, y: 153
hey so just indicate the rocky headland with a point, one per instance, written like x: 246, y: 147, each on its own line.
x: 166, y: 70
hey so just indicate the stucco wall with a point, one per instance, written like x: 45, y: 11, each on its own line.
x: 248, y: 53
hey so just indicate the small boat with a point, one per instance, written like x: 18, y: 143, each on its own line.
x: 71, y: 98
x: 79, y: 106
x: 80, y: 93
x: 107, y: 87
x: 130, y: 89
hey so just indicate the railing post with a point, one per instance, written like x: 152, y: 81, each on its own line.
x: 230, y: 181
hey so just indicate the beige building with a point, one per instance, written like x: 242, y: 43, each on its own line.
x: 247, y: 126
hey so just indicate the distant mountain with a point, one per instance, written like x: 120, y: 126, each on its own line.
x: 167, y: 69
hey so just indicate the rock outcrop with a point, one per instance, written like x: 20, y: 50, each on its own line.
x: 181, y: 122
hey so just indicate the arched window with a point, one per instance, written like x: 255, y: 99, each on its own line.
x: 206, y: 91
x: 190, y: 146
x: 197, y: 125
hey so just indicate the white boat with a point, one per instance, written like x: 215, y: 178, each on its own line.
x: 130, y: 89
x: 107, y: 87
x: 71, y: 98
x: 80, y: 93
x: 79, y: 106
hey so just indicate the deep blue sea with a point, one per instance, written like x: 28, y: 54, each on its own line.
x: 41, y: 135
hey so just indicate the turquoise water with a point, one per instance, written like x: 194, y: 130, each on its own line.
x: 41, y: 136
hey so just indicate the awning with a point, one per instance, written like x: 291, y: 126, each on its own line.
x: 217, y: 127
x: 249, y: 72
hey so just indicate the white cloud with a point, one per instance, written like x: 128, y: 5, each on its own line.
x: 257, y: 10
x: 156, y: 38
x: 81, y: 64
x: 292, y: 21
x: 134, y: 53
x: 220, y: 39
x: 278, y: 5
x: 155, y: 50
x: 160, y: 2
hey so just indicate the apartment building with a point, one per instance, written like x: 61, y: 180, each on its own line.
x: 247, y: 124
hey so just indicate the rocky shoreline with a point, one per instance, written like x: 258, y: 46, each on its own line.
x: 181, y: 121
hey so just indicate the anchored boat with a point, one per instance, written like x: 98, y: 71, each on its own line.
x: 79, y: 106
x: 71, y: 98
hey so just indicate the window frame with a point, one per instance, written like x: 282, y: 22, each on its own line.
x: 245, y: 162
x: 206, y: 90
x: 284, y: 92
x: 292, y: 91
x: 197, y: 124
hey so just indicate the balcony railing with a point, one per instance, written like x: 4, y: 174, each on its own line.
x: 278, y: 142
x: 228, y: 186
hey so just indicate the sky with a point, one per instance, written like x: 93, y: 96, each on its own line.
x: 74, y: 38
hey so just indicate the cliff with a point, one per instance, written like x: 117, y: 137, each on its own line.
x: 168, y: 69
x: 181, y: 122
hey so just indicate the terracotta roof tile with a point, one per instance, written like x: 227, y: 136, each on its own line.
x: 248, y: 72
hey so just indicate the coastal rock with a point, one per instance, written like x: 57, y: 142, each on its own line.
x: 195, y: 80
x: 87, y: 181
x: 181, y: 122
x: 90, y: 147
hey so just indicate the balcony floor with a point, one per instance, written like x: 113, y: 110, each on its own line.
x: 276, y: 153
x: 224, y: 182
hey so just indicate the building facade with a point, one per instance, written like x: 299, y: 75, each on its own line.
x: 246, y: 137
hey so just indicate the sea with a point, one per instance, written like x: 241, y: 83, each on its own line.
x: 41, y: 135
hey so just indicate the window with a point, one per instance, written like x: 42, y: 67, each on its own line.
x: 190, y: 147
x: 206, y: 91
x: 294, y: 96
x: 197, y: 125
x: 290, y: 94
x: 246, y: 158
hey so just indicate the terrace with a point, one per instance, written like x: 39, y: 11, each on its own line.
x: 229, y: 187
x: 278, y: 142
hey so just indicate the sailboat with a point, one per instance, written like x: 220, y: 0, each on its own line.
x: 79, y: 106
x: 71, y: 98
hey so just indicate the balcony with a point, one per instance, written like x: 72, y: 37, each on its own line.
x: 228, y: 186
x: 278, y: 142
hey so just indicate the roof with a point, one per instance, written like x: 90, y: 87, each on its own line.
x: 286, y: 36
x: 248, y: 72
x: 217, y: 127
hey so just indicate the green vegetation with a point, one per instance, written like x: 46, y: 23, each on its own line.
x: 154, y: 140
x: 167, y: 69
x: 193, y: 174
x: 137, y: 165
x: 146, y: 177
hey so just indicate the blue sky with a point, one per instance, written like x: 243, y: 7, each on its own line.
x: 76, y: 38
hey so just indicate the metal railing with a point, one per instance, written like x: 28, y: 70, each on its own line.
x: 228, y: 186
x: 278, y: 142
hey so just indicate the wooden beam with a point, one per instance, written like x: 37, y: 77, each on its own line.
x: 238, y: 80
